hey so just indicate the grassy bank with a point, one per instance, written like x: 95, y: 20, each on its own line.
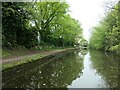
x: 33, y: 55
x: 22, y: 61
x: 22, y: 51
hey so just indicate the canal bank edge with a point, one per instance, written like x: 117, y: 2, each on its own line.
x: 35, y: 57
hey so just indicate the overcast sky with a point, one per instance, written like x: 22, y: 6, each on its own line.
x: 88, y: 12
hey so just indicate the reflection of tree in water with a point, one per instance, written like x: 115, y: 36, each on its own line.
x: 58, y: 73
x: 84, y: 52
x: 106, y: 66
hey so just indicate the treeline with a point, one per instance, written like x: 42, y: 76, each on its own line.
x: 106, y: 36
x: 39, y: 23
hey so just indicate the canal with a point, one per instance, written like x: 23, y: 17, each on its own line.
x: 75, y: 69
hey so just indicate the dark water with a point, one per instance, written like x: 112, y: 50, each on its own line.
x: 71, y: 70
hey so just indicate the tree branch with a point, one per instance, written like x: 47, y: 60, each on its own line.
x: 51, y: 17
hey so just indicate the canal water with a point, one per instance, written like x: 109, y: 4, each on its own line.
x: 75, y: 69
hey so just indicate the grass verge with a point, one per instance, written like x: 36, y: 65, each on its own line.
x: 22, y: 51
x: 22, y: 61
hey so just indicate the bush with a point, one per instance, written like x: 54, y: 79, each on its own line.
x: 115, y: 48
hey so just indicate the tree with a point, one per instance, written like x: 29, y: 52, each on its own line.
x: 106, y: 36
x: 24, y: 22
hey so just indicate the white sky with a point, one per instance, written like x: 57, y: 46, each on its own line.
x: 88, y: 12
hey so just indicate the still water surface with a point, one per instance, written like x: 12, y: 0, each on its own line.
x: 74, y: 69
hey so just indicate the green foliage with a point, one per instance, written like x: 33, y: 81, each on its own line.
x: 24, y: 22
x: 115, y: 48
x: 83, y: 43
x: 66, y: 31
x: 97, y: 38
x: 14, y: 19
x: 106, y: 36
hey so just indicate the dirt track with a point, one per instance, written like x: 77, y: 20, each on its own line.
x: 10, y: 60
